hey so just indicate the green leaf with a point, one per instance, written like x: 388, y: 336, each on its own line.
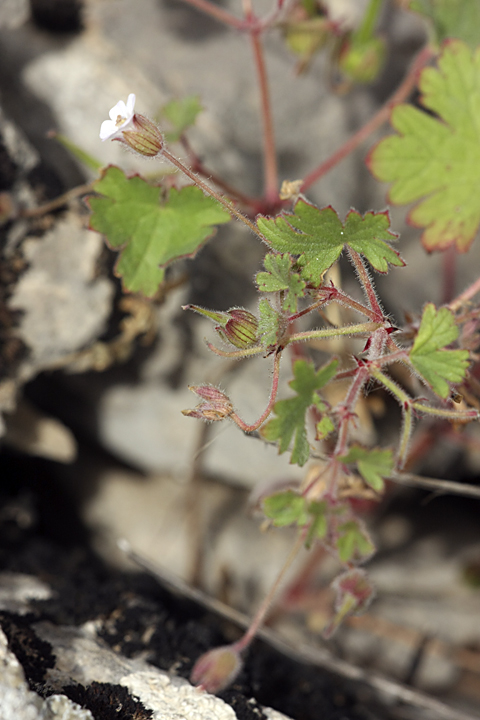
x: 290, y: 421
x: 318, y: 524
x: 324, y: 427
x: 279, y: 276
x: 319, y: 236
x: 181, y: 114
x: 438, y: 158
x: 150, y: 234
x: 373, y: 465
x: 451, y: 18
x: 286, y: 508
x: 354, y: 543
x: 435, y: 365
x: 269, y: 325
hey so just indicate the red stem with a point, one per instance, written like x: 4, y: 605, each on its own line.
x: 465, y: 296
x: 449, y: 272
x: 347, y: 408
x: 261, y: 613
x: 273, y: 394
x: 378, y: 119
x: 198, y: 167
x: 366, y: 284
x: 269, y: 152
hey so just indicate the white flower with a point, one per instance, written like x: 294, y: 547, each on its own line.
x: 120, y: 116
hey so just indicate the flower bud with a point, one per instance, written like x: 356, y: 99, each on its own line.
x: 354, y: 592
x: 240, y: 329
x: 216, y: 405
x: 362, y: 61
x: 216, y: 669
x: 146, y: 139
x: 237, y: 326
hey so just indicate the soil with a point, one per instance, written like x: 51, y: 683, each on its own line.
x: 41, y: 535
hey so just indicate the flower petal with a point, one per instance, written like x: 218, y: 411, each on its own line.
x: 120, y: 116
x: 107, y: 129
x: 131, y: 104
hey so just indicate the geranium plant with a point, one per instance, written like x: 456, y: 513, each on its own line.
x: 433, y: 158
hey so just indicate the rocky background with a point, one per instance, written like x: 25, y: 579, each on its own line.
x: 92, y: 384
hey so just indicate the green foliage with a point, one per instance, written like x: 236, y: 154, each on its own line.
x: 150, y: 234
x: 269, y: 325
x: 436, y: 365
x: 353, y: 542
x: 290, y: 508
x: 438, y: 158
x: 362, y: 60
x: 373, y: 465
x: 279, y: 276
x: 290, y: 420
x: 324, y: 427
x: 286, y: 508
x: 451, y: 19
x: 181, y: 114
x: 319, y: 522
x: 319, y: 237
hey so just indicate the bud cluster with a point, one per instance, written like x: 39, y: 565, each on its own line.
x: 215, y: 406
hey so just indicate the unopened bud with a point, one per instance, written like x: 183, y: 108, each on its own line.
x: 241, y: 328
x: 216, y: 405
x: 237, y: 326
x: 363, y: 61
x: 216, y: 669
x: 354, y: 592
x: 146, y: 139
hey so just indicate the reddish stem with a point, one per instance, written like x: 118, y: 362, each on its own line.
x: 210, y: 191
x: 465, y: 296
x: 449, y: 272
x: 347, y: 408
x: 400, y: 95
x: 273, y: 395
x: 333, y: 294
x: 366, y: 283
x: 262, y: 611
x: 198, y: 167
x: 269, y: 152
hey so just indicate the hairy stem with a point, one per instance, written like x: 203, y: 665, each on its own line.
x: 407, y: 428
x: 455, y: 415
x: 361, y: 328
x: 245, y: 352
x: 366, y: 283
x: 198, y: 167
x: 403, y: 398
x: 346, y: 410
x: 210, y: 191
x: 273, y: 395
